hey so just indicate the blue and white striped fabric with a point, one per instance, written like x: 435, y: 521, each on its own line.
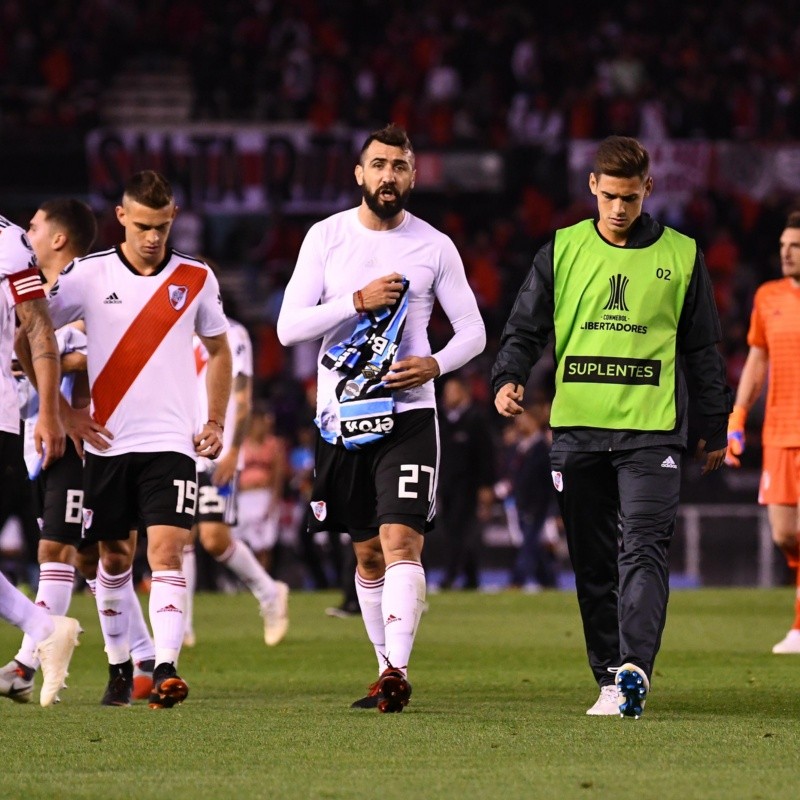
x: 365, y: 405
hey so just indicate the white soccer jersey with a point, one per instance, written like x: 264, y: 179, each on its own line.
x: 19, y: 281
x: 242, y: 352
x: 139, y: 329
x: 339, y: 256
x: 69, y: 340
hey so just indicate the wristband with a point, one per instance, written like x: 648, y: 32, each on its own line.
x: 214, y: 422
x: 737, y: 418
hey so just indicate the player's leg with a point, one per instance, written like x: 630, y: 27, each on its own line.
x: 649, y: 490
x: 783, y: 520
x: 272, y: 595
x: 167, y: 503
x: 587, y: 493
x: 189, y: 566
x: 369, y: 580
x: 780, y: 492
x: 217, y: 512
x: 58, y: 503
x: 53, y: 595
x: 406, y: 469
x: 113, y: 588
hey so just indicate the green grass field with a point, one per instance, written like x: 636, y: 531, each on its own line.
x: 501, y: 687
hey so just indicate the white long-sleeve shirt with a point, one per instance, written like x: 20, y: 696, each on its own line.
x: 339, y: 256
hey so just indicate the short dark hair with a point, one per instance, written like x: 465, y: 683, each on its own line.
x: 622, y: 157
x: 77, y: 220
x: 793, y: 220
x: 391, y: 134
x: 149, y: 188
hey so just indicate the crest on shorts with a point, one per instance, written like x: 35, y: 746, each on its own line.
x: 177, y: 296
x: 87, y: 518
x: 319, y: 509
x: 558, y: 481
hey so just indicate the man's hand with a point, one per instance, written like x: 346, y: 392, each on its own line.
x: 49, y: 438
x: 80, y: 427
x: 225, y: 467
x: 380, y: 293
x: 508, y: 398
x: 735, y: 436
x: 711, y: 461
x: 412, y: 371
x: 208, y: 443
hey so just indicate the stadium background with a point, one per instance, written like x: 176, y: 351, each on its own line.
x: 253, y: 109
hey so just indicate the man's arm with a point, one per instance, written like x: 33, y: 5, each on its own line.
x: 751, y: 384
x: 754, y: 376
x: 49, y: 431
x: 458, y: 302
x: 699, y: 332
x: 525, y: 335
x: 208, y: 442
x: 78, y: 423
x: 243, y: 400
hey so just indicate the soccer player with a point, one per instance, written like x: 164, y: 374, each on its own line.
x: 262, y: 479
x: 625, y: 296
x: 217, y: 498
x: 141, y: 303
x: 21, y: 291
x: 366, y: 280
x: 774, y: 339
x: 60, y: 231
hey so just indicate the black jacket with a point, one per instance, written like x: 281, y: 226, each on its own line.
x: 530, y: 326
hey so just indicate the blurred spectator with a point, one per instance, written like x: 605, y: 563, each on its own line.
x: 534, y: 499
x: 261, y: 486
x: 466, y: 477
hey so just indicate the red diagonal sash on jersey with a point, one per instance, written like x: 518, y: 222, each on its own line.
x: 200, y: 357
x: 142, y: 338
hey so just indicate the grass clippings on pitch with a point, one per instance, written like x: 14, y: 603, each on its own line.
x: 501, y: 687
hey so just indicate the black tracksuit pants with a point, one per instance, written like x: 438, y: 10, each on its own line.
x: 619, y: 510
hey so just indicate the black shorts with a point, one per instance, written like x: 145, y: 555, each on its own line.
x: 391, y: 481
x: 58, y: 498
x: 215, y: 503
x: 122, y: 493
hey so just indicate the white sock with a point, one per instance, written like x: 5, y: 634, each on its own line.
x: 190, y: 575
x: 53, y: 595
x: 167, y: 605
x: 92, y: 584
x: 370, y: 594
x: 142, y: 647
x: 110, y: 594
x: 403, y: 601
x: 240, y: 560
x: 20, y: 611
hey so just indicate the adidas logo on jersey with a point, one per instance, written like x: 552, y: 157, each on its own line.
x: 669, y: 463
x: 112, y: 298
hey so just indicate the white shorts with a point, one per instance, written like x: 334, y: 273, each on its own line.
x: 259, y: 519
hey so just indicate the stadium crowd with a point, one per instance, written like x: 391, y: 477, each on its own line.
x: 455, y: 73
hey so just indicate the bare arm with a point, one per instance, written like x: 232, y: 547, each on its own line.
x: 243, y: 398
x: 208, y: 442
x: 44, y: 359
x: 754, y: 376
x: 77, y: 421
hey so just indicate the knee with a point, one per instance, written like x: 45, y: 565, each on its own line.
x: 115, y: 563
x: 785, y: 538
x: 215, y: 539
x: 371, y: 565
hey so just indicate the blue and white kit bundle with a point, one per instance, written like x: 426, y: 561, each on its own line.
x: 364, y: 405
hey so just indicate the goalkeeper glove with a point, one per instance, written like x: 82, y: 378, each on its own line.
x: 735, y: 436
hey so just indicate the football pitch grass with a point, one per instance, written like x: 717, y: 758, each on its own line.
x: 501, y: 687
